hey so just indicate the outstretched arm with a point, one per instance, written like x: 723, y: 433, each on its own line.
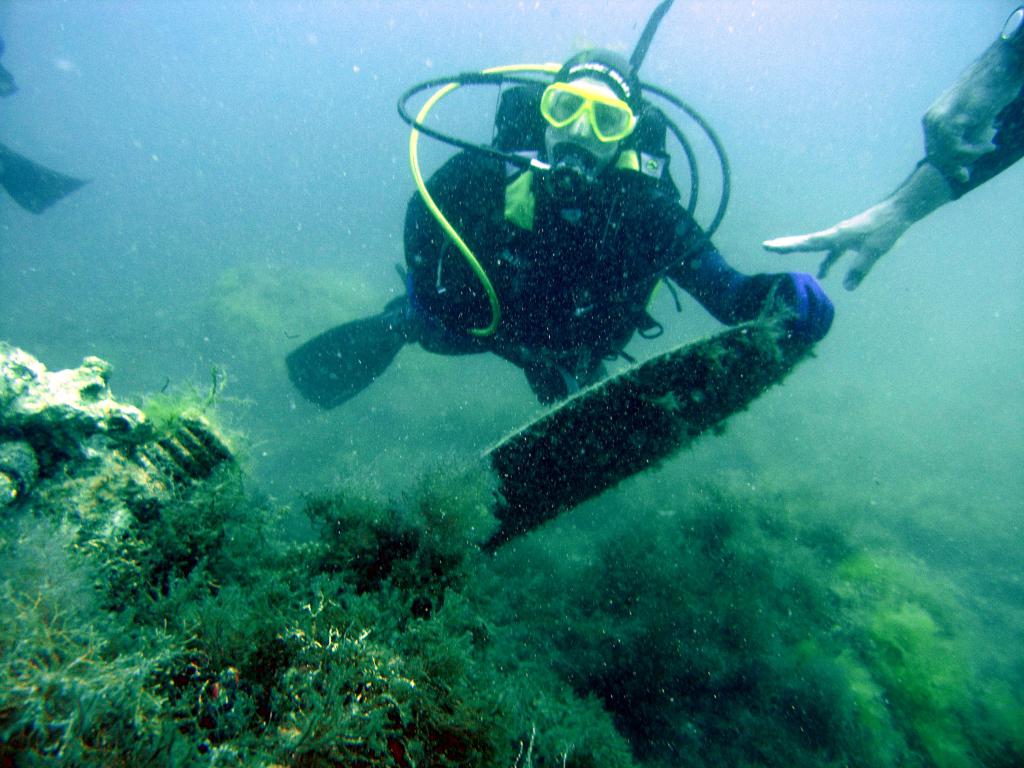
x: 872, y: 233
x: 972, y: 132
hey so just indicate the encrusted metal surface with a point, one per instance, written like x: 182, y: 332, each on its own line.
x: 632, y: 421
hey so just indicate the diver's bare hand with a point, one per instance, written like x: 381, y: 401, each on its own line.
x: 868, y: 235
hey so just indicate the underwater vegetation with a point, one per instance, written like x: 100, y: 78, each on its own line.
x: 733, y: 629
x: 152, y: 614
x: 154, y: 610
x: 361, y: 648
x: 198, y: 642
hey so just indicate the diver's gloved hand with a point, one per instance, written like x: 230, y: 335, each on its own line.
x: 732, y: 297
x: 813, y: 309
x: 810, y: 309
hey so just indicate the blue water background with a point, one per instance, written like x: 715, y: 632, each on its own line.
x: 262, y: 137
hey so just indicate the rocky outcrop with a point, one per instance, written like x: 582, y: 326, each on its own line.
x: 68, y: 423
x: 97, y: 468
x: 49, y: 419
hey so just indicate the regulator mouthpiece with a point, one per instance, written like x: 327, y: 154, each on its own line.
x: 573, y: 174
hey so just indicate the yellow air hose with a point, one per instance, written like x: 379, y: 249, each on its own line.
x: 449, y: 230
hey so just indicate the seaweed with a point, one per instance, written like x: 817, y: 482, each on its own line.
x: 169, y: 407
x: 208, y: 642
x: 75, y: 695
x: 154, y: 610
x: 741, y: 629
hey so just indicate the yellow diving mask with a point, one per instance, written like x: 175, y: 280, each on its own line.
x: 610, y: 118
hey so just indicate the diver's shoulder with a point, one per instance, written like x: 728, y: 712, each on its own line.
x: 468, y: 168
x: 476, y: 164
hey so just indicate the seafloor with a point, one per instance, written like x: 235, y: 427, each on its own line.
x: 157, y: 611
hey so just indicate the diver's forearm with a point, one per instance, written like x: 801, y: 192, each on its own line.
x: 924, y: 191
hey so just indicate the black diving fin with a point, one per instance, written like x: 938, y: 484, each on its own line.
x: 7, y: 86
x: 337, y: 365
x: 32, y: 186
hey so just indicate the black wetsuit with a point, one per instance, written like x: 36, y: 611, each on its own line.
x: 975, y: 129
x: 573, y: 286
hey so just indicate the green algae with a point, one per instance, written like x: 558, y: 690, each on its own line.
x: 707, y: 626
x: 738, y: 629
x: 912, y: 649
x: 209, y: 642
x: 167, y: 409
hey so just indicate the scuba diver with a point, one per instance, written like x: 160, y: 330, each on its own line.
x: 567, y: 246
x: 32, y: 186
x: 973, y: 132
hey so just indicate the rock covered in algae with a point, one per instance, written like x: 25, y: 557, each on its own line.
x: 63, y: 414
x: 70, y: 417
x: 92, y: 464
x: 19, y: 471
x: 54, y: 420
